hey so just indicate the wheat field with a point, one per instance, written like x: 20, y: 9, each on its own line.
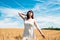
x: 16, y: 34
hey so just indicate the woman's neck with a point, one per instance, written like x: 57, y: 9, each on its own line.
x: 29, y: 18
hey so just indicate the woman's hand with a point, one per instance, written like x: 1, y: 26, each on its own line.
x: 41, y: 33
x: 21, y: 14
x: 43, y: 36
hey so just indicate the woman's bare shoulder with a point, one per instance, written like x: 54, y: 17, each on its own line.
x: 34, y: 19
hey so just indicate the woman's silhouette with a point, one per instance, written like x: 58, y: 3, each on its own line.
x: 29, y: 23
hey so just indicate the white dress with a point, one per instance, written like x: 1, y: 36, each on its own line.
x: 28, y: 30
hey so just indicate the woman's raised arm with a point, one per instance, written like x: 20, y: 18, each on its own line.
x: 22, y: 15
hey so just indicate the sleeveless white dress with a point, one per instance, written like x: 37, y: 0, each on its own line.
x: 28, y: 30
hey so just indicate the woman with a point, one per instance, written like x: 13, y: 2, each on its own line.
x: 29, y: 23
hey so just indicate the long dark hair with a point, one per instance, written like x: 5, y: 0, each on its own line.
x: 28, y: 14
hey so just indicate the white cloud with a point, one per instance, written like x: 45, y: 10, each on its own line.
x: 36, y: 7
x: 10, y: 11
x: 8, y: 21
x: 49, y: 21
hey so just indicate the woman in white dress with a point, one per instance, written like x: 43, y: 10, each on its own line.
x: 29, y: 23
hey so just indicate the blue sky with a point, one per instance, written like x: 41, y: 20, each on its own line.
x: 46, y: 12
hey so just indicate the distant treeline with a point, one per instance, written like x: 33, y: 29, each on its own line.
x: 50, y: 28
